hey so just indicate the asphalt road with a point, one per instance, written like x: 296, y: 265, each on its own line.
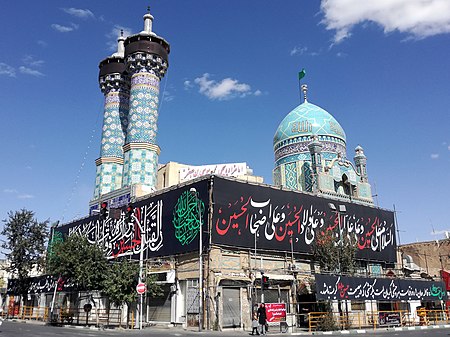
x: 30, y: 329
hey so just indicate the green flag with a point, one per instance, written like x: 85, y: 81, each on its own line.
x: 301, y: 74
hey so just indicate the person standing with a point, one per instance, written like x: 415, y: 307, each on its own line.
x: 255, y: 324
x: 262, y: 317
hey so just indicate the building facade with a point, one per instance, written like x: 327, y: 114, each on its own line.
x: 218, y: 240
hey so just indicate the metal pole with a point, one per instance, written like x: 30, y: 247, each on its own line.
x: 263, y: 288
x: 200, y: 277
x: 193, y: 192
x: 53, y: 300
x: 254, y: 281
x: 340, y: 243
x: 141, y: 267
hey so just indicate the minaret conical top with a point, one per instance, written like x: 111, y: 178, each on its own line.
x: 148, y: 22
x: 120, y: 45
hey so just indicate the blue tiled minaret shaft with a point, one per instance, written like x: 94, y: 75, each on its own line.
x: 114, y: 84
x: 146, y: 58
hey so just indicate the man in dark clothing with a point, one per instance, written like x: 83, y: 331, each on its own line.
x: 262, y: 317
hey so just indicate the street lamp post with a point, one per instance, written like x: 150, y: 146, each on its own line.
x: 342, y: 209
x: 193, y: 192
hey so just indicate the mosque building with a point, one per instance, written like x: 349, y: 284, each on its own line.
x: 219, y: 240
x: 310, y: 155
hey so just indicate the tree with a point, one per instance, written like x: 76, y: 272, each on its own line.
x: 80, y: 261
x: 25, y: 245
x: 334, y: 255
x: 120, y: 283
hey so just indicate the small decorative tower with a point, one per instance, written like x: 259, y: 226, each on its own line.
x: 146, y: 58
x: 315, y: 149
x: 114, y: 85
x: 360, y: 163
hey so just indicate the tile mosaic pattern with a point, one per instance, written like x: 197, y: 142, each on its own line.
x: 308, y: 119
x: 114, y: 124
x: 291, y: 176
x: 109, y: 175
x: 108, y: 178
x: 140, y: 164
x: 140, y: 167
x: 143, y: 113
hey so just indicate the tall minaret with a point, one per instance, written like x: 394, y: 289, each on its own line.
x: 115, y: 86
x: 146, y: 58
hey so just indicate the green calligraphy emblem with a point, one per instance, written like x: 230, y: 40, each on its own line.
x: 188, y: 217
x: 437, y: 291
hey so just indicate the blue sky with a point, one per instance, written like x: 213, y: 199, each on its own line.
x: 382, y: 68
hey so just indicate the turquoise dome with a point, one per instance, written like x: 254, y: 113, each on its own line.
x: 307, y: 120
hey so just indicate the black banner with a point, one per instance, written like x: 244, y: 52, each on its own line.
x: 170, y: 221
x: 332, y: 287
x: 40, y: 284
x: 287, y: 220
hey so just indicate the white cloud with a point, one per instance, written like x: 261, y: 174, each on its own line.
x: 19, y: 196
x: 298, y: 50
x: 7, y: 70
x: 114, y: 34
x: 302, y: 50
x: 29, y: 71
x: 416, y: 18
x: 31, y: 62
x: 341, y: 54
x: 226, y: 89
x: 79, y: 13
x: 42, y: 43
x: 65, y: 29
x: 187, y: 84
x: 168, y: 96
x: 434, y: 156
x: 25, y: 196
x: 257, y: 93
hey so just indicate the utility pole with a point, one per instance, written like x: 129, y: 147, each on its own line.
x: 193, y: 192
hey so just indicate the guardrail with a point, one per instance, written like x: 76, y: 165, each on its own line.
x: 374, y: 319
x: 103, y: 317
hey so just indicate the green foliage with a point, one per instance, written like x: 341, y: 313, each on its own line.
x: 79, y: 260
x: 327, y: 323
x: 25, y: 244
x: 153, y: 289
x: 120, y: 283
x: 122, y: 278
x: 335, y: 255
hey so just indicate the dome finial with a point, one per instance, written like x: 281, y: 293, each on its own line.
x: 304, y: 89
x: 120, y: 45
x: 148, y: 22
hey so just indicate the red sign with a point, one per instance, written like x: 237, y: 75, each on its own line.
x: 276, y: 312
x: 141, y: 288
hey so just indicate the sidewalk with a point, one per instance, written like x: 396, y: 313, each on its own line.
x: 275, y: 331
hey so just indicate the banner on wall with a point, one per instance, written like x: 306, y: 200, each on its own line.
x: 290, y: 221
x: 165, y: 224
x: 41, y: 284
x: 228, y: 170
x: 332, y: 287
x: 276, y: 312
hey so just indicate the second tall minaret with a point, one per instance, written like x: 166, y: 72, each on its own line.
x: 116, y: 88
x: 146, y: 59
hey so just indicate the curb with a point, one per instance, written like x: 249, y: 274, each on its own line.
x: 363, y: 331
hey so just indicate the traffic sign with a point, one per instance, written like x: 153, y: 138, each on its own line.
x: 141, y: 288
